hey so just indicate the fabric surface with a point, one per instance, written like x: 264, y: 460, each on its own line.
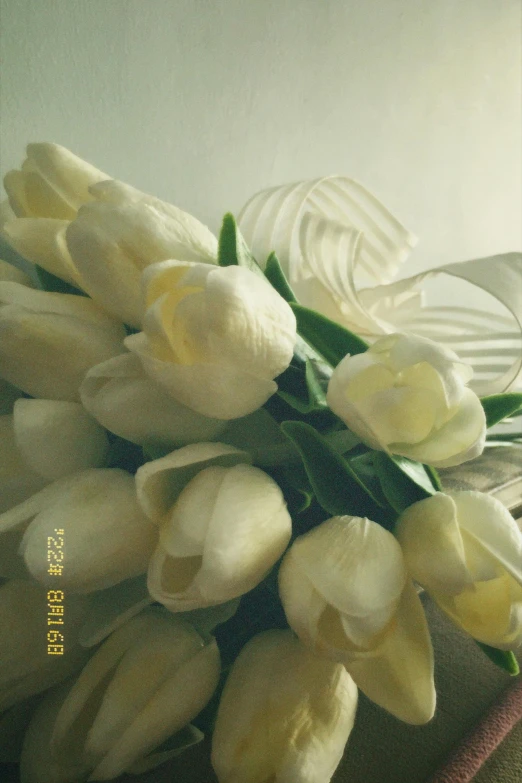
x: 484, y: 739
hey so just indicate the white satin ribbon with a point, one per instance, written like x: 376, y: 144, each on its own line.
x: 341, y: 250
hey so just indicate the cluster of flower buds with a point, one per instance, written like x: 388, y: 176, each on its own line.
x: 133, y: 428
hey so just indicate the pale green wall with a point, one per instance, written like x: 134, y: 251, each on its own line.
x: 206, y: 102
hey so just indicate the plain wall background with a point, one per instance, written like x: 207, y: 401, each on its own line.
x: 204, y: 102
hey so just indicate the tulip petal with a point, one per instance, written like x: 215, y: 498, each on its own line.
x: 355, y: 564
x: 109, y: 609
x: 432, y: 545
x: 107, y: 536
x: 85, y: 689
x: 37, y: 763
x: 17, y: 517
x: 175, y: 702
x: 69, y: 176
x: 128, y: 694
x: 160, y: 481
x: 185, y: 533
x: 174, y: 746
x: 188, y: 239
x: 26, y: 668
x: 58, y: 438
x: 214, y: 390
x: 285, y: 714
x: 459, y: 440
x: 490, y: 611
x: 31, y: 196
x: 398, y: 675
x: 489, y: 522
x: 127, y: 402
x: 249, y: 530
x: 129, y: 231
x: 49, y: 341
x: 42, y: 241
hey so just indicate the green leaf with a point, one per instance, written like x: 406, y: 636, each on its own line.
x: 302, y: 386
x: 233, y: 250
x: 337, y: 487
x: 500, y: 406
x: 328, y: 338
x: 295, y: 485
x: 316, y: 385
x: 434, y: 477
x: 403, y: 481
x: 504, y: 659
x: 55, y: 284
x: 276, y: 276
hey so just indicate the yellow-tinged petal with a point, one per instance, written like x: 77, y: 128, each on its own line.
x: 57, y: 438
x: 120, y: 395
x: 160, y: 481
x: 48, y: 341
x: 227, y: 529
x: 107, y: 536
x: 42, y: 241
x: 285, y: 714
x: 432, y: 545
x: 398, y: 674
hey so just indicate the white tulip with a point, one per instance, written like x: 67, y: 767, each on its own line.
x: 285, y: 714
x: 26, y: 667
x: 44, y: 440
x: 106, y: 536
x: 42, y: 241
x: 48, y: 341
x: 52, y: 183
x: 121, y: 233
x: 465, y: 549
x: 160, y: 481
x: 346, y: 593
x: 226, y: 530
x: 122, y: 397
x: 147, y: 681
x: 407, y: 395
x: 58, y: 438
x: 214, y: 337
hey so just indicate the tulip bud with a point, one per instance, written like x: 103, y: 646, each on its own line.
x: 465, y: 549
x: 48, y: 341
x: 26, y: 667
x: 226, y: 530
x: 113, y: 715
x: 407, y: 395
x: 106, y: 537
x: 124, y: 231
x: 42, y: 241
x: 214, y: 337
x: 44, y: 440
x: 120, y: 395
x: 346, y: 594
x: 53, y: 183
x: 285, y: 714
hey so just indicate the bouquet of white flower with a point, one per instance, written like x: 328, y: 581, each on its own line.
x: 220, y: 495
